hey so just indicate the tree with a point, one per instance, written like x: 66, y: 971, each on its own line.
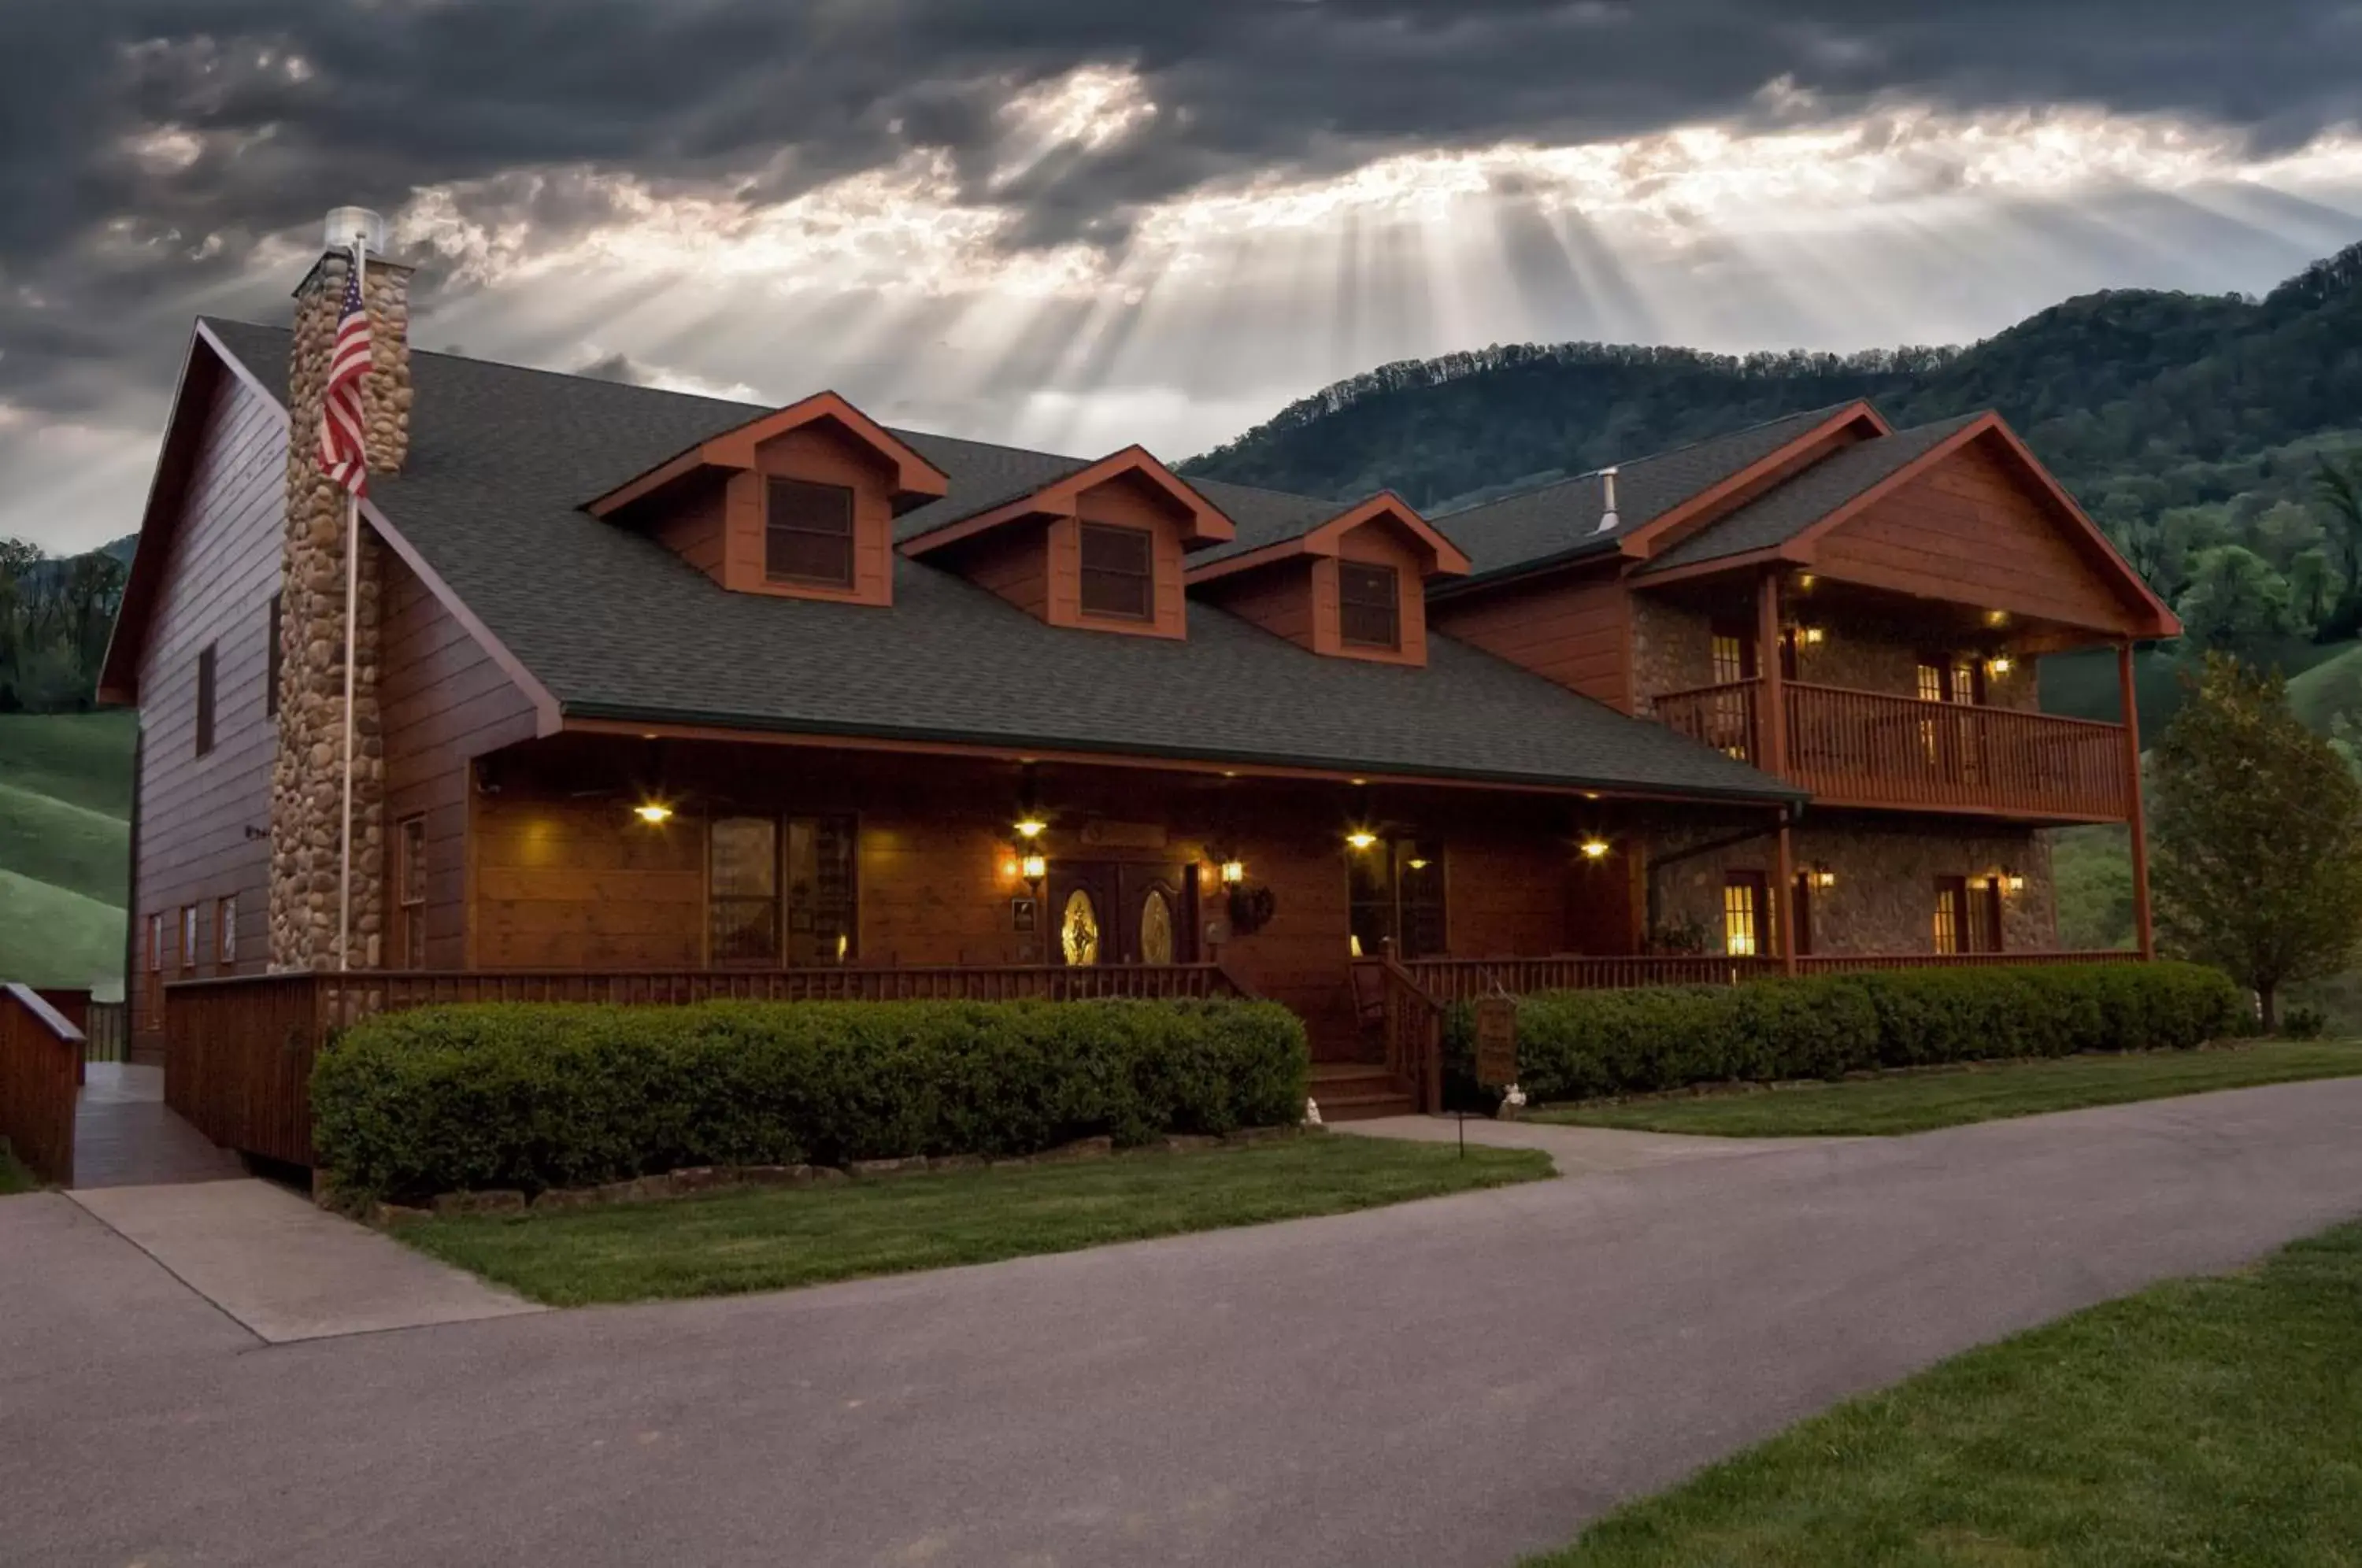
x: 2257, y: 829
x: 2234, y: 602
x: 2340, y: 492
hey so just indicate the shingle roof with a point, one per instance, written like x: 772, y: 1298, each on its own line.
x: 983, y: 476
x: 1264, y: 516
x: 1562, y: 520
x: 617, y: 626
x: 1779, y: 515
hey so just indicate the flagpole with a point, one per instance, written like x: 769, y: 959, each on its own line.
x: 352, y: 596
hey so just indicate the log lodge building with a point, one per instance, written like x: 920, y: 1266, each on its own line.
x: 660, y: 695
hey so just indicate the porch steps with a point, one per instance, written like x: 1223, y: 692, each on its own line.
x: 1357, y: 1092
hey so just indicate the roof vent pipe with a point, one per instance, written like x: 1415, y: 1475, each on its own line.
x: 1608, y: 521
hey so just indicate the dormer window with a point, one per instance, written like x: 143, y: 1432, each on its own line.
x: 1369, y: 605
x: 808, y: 532
x: 1117, y: 573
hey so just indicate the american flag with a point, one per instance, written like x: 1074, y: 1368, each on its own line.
x: 344, y: 447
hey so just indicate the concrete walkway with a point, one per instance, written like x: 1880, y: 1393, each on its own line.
x: 286, y: 1269
x: 1444, y: 1384
x: 1576, y: 1150
x: 125, y: 1135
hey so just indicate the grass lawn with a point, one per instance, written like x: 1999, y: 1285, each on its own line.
x: 1915, y: 1102
x: 772, y: 1238
x: 14, y: 1177
x: 2207, y: 1420
x: 65, y: 799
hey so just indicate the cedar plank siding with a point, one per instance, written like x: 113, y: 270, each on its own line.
x: 697, y: 530
x: 1013, y: 562
x: 1971, y: 532
x: 1382, y: 544
x: 195, y: 813
x: 1574, y: 628
x: 1278, y: 597
x: 443, y: 700
x: 1129, y: 503
x: 823, y: 455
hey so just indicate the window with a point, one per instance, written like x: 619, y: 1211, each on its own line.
x: 226, y: 933
x: 188, y: 936
x: 1734, y: 653
x: 409, y: 893
x: 155, y: 983
x: 1952, y: 913
x: 745, y: 865
x: 1745, y: 914
x: 1943, y: 679
x: 1117, y: 571
x: 205, y: 700
x: 272, y: 660
x: 808, y: 534
x: 1369, y: 610
x: 1395, y: 889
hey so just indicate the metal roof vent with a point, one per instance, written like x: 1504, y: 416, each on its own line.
x: 347, y: 225
x: 1608, y: 521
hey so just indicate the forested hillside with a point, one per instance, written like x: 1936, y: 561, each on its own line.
x: 2208, y: 434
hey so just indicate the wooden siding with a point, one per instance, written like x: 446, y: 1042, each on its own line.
x: 823, y: 454
x: 203, y: 821
x: 443, y: 700
x: 1278, y: 597
x: 1013, y: 562
x: 1974, y: 531
x: 697, y: 527
x: 1129, y: 503
x: 1381, y: 544
x: 1574, y: 629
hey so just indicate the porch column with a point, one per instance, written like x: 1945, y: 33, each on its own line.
x: 1784, y: 897
x: 2136, y: 824
x: 1772, y: 727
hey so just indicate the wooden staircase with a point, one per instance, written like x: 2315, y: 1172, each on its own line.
x: 1356, y: 1091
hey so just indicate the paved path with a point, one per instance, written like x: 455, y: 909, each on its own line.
x: 284, y: 1268
x: 1576, y: 1150
x: 1438, y: 1384
x: 125, y: 1135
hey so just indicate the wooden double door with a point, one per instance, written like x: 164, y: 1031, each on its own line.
x: 1120, y: 911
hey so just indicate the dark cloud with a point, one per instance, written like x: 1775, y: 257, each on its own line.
x: 150, y: 144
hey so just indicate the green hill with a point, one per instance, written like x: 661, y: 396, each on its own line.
x: 65, y: 805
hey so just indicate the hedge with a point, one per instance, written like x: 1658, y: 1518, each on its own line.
x: 535, y: 1096
x: 1582, y: 1044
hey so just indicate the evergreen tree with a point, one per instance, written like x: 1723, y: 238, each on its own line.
x: 2257, y: 828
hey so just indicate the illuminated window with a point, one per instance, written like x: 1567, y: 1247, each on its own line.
x: 1117, y: 571
x: 745, y: 908
x: 1156, y: 927
x: 1079, y: 929
x: 1368, y: 606
x: 1395, y: 888
x: 1734, y: 654
x: 1744, y: 907
x: 226, y: 933
x: 1931, y: 682
x: 1952, y: 913
x: 808, y: 534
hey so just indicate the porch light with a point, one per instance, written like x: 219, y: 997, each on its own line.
x: 1824, y: 878
x: 2014, y: 882
x: 1811, y: 635
x: 1996, y: 617
x: 1998, y: 664
x: 1233, y: 873
x: 1595, y: 849
x: 1361, y: 838
x: 1806, y: 580
x: 1035, y: 866
x: 1030, y: 826
x: 652, y: 812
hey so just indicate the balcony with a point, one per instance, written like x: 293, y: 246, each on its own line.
x: 1869, y: 749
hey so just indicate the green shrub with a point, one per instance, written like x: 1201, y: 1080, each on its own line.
x: 2304, y: 1023
x: 535, y: 1096
x: 1582, y: 1044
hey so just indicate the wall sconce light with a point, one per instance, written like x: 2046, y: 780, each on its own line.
x: 2014, y: 882
x: 1418, y: 865
x: 1824, y: 878
x: 1035, y: 866
x: 1806, y: 581
x: 1595, y: 849
x: 1809, y: 635
x: 652, y: 812
x: 1996, y: 617
x: 1998, y: 665
x: 1233, y: 873
x: 1979, y: 884
x: 1361, y: 838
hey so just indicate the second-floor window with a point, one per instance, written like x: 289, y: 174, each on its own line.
x: 808, y: 532
x: 1944, y: 679
x: 1734, y: 654
x: 1119, y: 574
x: 1369, y: 605
x: 205, y: 700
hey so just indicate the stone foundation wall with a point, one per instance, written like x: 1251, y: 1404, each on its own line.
x: 1884, y: 899
x: 307, y: 778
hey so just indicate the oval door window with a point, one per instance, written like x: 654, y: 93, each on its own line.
x: 1156, y: 928
x: 1079, y: 929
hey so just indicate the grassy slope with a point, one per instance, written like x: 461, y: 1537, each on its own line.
x: 2206, y: 1420
x: 2328, y: 688
x: 1915, y: 1102
x: 770, y: 1239
x: 65, y: 802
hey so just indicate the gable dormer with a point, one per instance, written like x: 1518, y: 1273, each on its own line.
x: 1099, y: 549
x: 1353, y: 586
x: 800, y: 502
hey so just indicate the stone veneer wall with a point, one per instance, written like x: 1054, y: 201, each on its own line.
x: 1884, y: 897
x: 307, y: 780
x: 1672, y: 649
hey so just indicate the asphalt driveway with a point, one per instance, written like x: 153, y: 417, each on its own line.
x: 1448, y: 1381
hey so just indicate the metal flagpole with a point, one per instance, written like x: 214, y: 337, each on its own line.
x: 352, y: 596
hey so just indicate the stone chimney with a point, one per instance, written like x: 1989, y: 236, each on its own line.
x: 307, y: 780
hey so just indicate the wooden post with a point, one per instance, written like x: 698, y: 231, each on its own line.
x: 2136, y: 824
x: 1784, y: 898
x: 1773, y: 729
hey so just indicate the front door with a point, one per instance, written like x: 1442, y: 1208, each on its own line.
x: 1108, y: 911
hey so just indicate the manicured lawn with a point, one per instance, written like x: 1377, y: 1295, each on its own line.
x: 1914, y: 1102
x: 2208, y: 1420
x: 769, y: 1239
x: 14, y: 1177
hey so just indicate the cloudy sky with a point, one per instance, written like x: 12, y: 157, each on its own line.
x: 1079, y: 222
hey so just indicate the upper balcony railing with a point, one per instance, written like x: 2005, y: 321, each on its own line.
x: 1867, y: 748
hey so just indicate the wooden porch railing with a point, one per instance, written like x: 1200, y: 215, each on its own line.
x: 1869, y: 749
x: 1857, y: 963
x: 239, y: 1051
x: 41, y: 1072
x: 1412, y: 1028
x: 1465, y: 979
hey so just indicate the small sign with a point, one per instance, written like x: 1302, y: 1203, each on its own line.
x: 1022, y: 912
x: 1496, y: 1042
